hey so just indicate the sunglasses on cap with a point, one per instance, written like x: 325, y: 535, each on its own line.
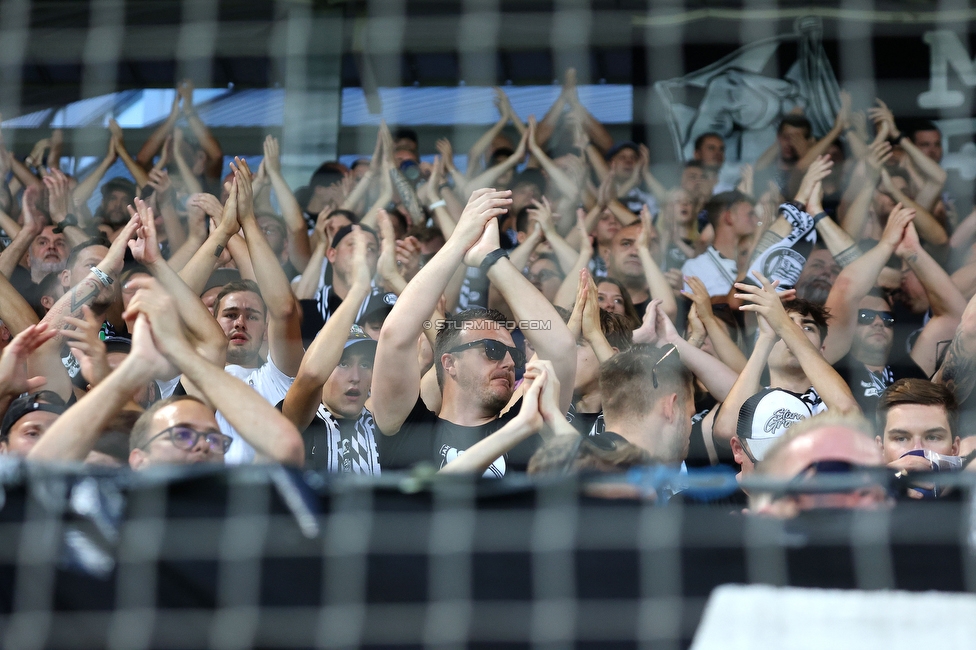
x: 671, y: 349
x: 494, y: 350
x: 185, y: 438
x: 866, y: 317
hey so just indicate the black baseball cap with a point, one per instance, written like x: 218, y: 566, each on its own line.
x: 45, y: 400
x: 358, y: 337
x: 378, y: 307
x: 620, y: 146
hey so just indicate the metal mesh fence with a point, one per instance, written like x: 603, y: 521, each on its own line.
x: 257, y: 557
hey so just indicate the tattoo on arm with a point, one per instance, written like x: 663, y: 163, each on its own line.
x: 848, y: 255
x: 218, y: 250
x: 82, y: 294
x: 959, y: 370
x: 768, y: 239
x: 407, y: 195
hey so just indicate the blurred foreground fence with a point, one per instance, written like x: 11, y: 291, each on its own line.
x: 265, y: 557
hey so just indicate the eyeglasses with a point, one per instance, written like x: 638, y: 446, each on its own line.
x: 186, y: 439
x: 866, y: 317
x: 671, y: 350
x: 597, y: 442
x: 494, y: 350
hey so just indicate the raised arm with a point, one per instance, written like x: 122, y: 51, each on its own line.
x: 305, y: 394
x: 355, y: 200
x: 197, y: 271
x: 86, y: 187
x: 747, y: 385
x: 935, y: 176
x: 190, y: 180
x: 74, y: 434
x: 271, y: 434
x: 482, y: 143
x: 298, y: 245
x: 397, y: 372
x: 21, y: 242
x: 856, y: 216
x: 657, y: 284
x: 59, y: 206
x: 568, y: 289
x: 205, y: 333
x: 163, y: 191
x: 542, y: 214
x: 725, y: 348
x: 209, y: 144
x: 555, y: 344
x: 137, y: 171
x: 14, y: 376
x: 567, y: 186
x: 928, y: 228
x: 819, y: 148
x: 490, y: 175
x: 284, y: 313
x: 958, y: 369
x: 446, y: 150
x: 944, y: 296
x: 855, y: 281
x: 596, y: 132
x: 102, y: 276
x: 828, y: 383
x: 155, y: 141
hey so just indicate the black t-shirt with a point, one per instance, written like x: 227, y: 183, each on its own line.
x: 424, y: 437
x: 584, y: 423
x: 20, y: 279
x: 316, y: 311
x: 907, y: 327
x: 867, y: 386
x: 697, y: 451
x: 641, y: 307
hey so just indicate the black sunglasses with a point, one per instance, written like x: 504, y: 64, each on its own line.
x: 838, y: 476
x: 185, y: 438
x: 671, y: 349
x: 866, y: 317
x: 494, y: 350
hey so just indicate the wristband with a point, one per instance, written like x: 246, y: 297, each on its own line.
x: 848, y: 255
x: 437, y: 204
x: 491, y: 258
x: 69, y: 220
x: 819, y: 217
x: 102, y: 276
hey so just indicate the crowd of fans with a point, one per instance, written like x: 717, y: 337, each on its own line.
x: 553, y: 308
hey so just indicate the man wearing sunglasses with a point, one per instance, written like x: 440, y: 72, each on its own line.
x: 827, y: 446
x: 862, y: 327
x: 475, y: 357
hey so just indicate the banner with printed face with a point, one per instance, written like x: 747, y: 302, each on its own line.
x: 736, y: 98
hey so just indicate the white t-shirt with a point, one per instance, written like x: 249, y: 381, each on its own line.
x: 716, y: 272
x: 271, y: 384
